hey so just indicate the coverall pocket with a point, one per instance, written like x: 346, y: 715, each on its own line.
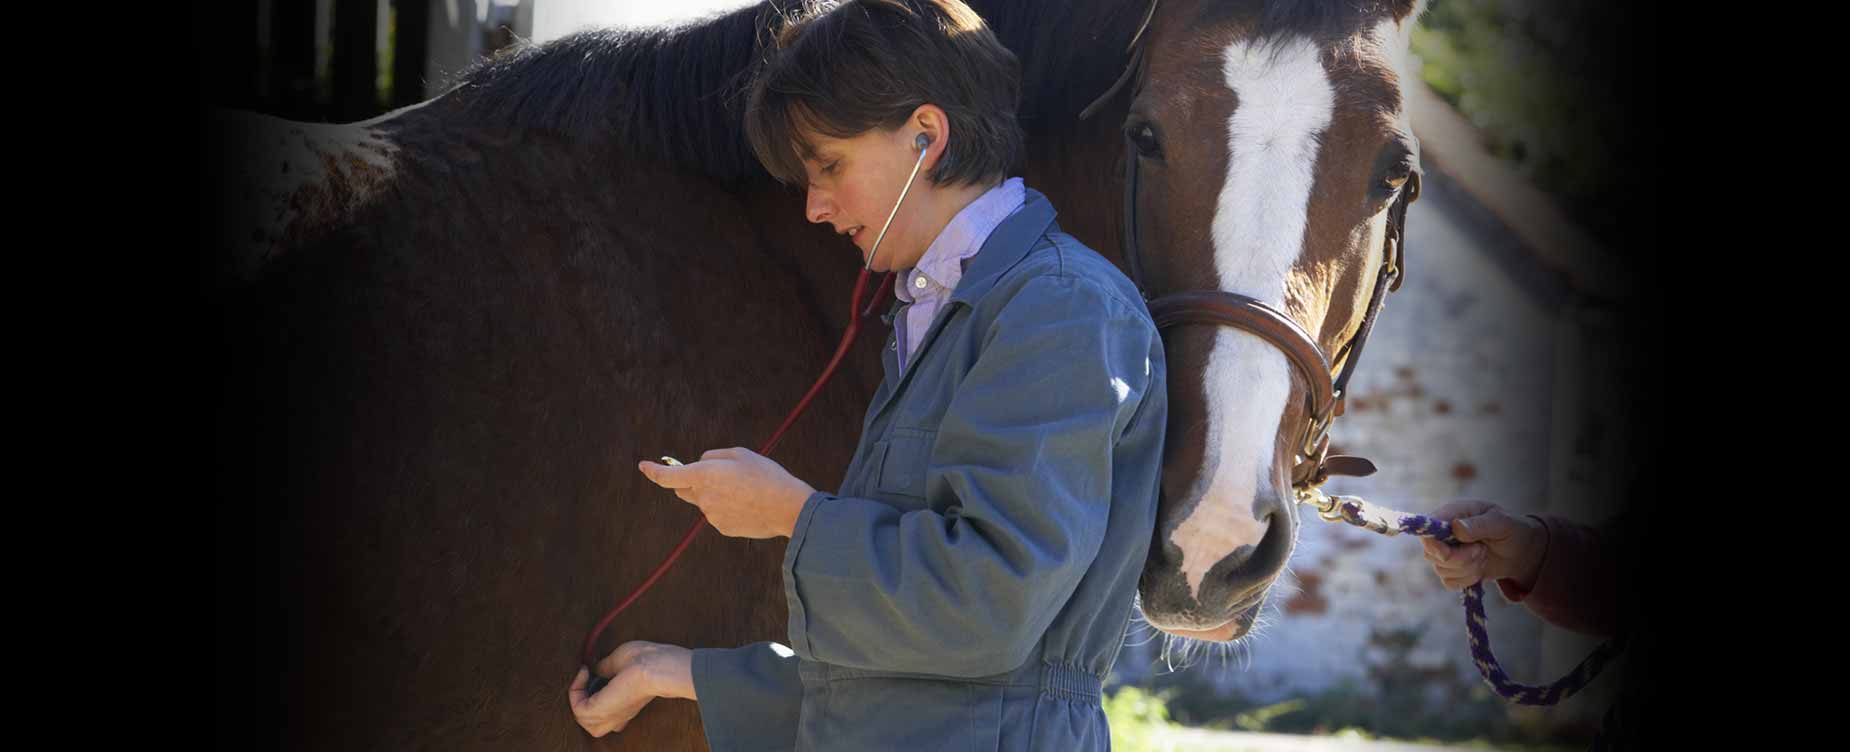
x: 908, y: 454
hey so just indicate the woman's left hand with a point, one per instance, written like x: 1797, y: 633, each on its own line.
x: 743, y: 493
x: 640, y: 672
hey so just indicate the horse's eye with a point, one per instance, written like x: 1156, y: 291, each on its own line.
x: 1395, y: 165
x: 1391, y: 180
x: 1144, y: 138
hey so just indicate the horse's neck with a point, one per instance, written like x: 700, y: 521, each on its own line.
x: 1078, y: 165
x: 1070, y: 52
x: 825, y: 264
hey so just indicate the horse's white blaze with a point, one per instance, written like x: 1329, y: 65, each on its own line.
x: 1284, y: 105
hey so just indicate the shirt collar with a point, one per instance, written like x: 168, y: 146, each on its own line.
x: 943, y: 264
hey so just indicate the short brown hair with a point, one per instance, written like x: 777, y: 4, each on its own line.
x: 842, y: 69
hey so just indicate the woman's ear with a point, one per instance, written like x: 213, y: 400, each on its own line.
x: 934, y: 128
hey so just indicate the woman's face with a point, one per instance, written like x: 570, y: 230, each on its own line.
x: 852, y: 186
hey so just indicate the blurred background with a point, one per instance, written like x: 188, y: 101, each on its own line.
x: 1505, y: 369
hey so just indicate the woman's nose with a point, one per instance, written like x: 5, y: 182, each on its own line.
x: 819, y: 208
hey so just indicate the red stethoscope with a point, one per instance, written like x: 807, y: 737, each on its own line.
x: 856, y: 312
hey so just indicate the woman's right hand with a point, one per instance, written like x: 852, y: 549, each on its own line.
x: 1492, y: 545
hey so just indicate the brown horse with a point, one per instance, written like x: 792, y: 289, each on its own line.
x: 452, y: 330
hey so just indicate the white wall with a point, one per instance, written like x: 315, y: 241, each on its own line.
x: 556, y: 18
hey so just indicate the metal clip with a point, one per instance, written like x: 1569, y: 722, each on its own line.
x: 1324, y: 504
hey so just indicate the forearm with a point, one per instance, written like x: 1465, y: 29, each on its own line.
x: 674, y: 677
x: 1574, y: 585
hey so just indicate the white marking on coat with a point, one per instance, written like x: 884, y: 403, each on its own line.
x: 1284, y: 105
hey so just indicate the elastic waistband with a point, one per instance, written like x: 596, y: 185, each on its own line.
x: 1071, y: 684
x: 1060, y: 681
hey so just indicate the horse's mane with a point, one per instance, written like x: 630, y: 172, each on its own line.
x: 1278, y: 21
x: 678, y: 92
x: 673, y: 92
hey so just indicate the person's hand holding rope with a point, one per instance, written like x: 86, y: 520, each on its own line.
x: 1494, y: 545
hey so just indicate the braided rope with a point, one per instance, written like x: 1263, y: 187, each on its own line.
x: 1390, y: 522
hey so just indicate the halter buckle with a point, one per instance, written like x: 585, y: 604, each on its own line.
x: 1316, y: 441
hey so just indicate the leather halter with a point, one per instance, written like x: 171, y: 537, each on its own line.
x: 1325, y: 396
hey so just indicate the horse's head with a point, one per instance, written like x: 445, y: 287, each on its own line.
x: 1268, y: 150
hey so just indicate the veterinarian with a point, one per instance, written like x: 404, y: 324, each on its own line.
x: 971, y: 582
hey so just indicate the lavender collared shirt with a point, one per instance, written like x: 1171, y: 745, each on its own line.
x: 927, y: 285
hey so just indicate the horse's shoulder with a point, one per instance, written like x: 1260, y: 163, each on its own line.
x: 286, y: 183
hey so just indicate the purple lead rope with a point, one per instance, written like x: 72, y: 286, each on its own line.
x: 1390, y: 522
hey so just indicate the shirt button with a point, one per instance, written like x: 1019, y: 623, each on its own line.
x: 919, y: 282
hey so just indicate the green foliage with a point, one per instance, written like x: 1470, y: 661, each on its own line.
x: 1258, y: 718
x: 1137, y: 718
x: 387, y: 59
x: 1547, y: 83
x: 1141, y: 721
x: 1398, y: 699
